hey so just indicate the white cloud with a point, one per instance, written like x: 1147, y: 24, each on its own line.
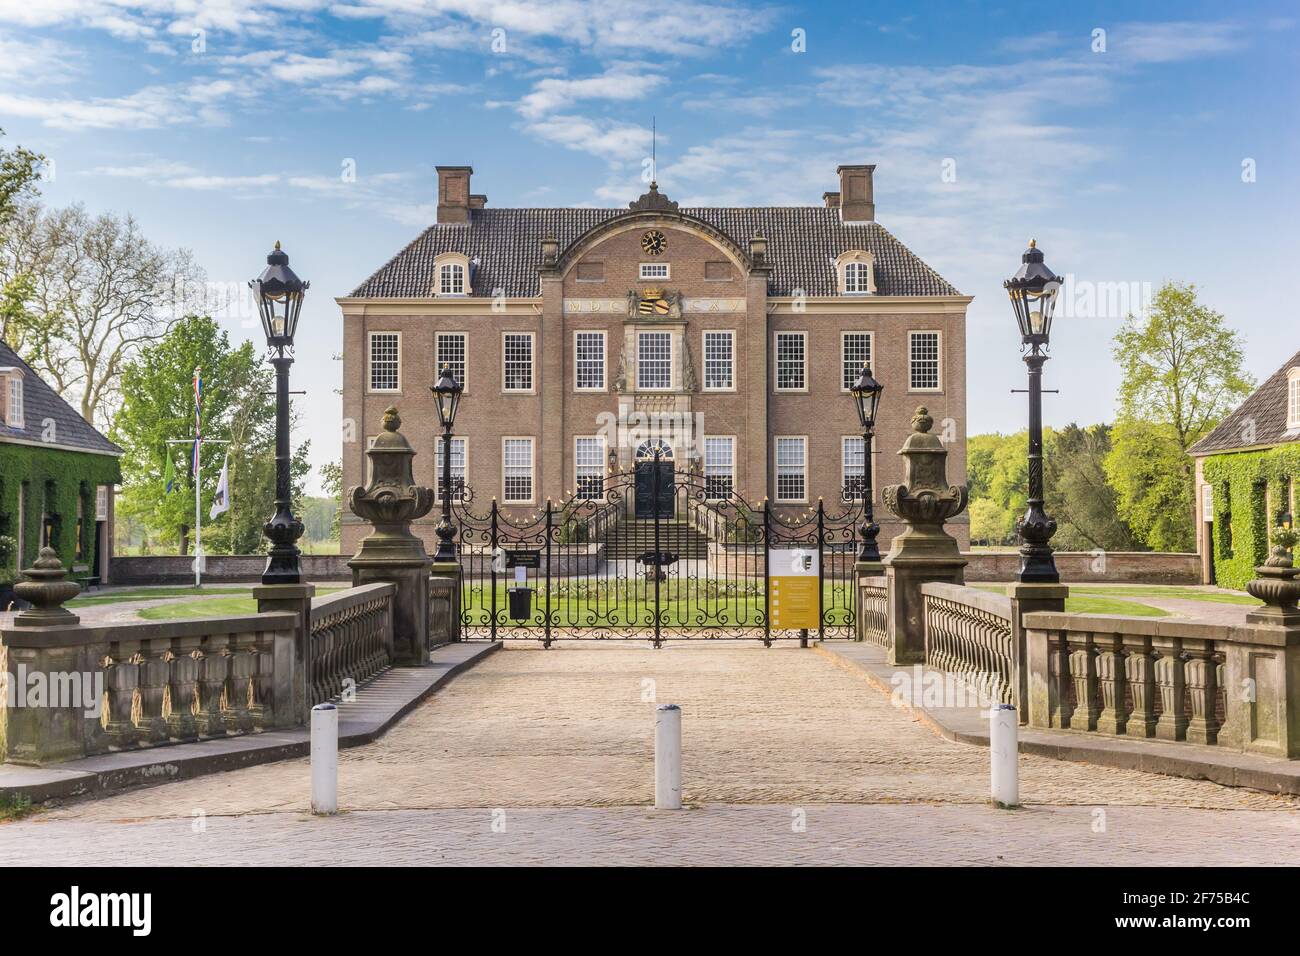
x: 620, y: 84
x: 608, y: 139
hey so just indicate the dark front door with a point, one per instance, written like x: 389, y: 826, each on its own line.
x: 648, y: 504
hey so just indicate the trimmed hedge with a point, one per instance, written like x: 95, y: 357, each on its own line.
x: 1241, y: 524
x: 52, y: 478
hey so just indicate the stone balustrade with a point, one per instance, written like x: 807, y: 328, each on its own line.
x: 1168, y: 679
x: 873, y: 610
x: 969, y: 633
x: 76, y: 691
x: 351, y: 638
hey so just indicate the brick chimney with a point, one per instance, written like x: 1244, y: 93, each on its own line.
x: 832, y: 200
x: 453, y: 193
x: 477, y: 200
x: 857, y: 193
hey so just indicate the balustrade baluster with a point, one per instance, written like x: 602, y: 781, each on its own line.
x: 121, y: 682
x: 182, y: 679
x: 1171, y: 682
x: 1201, y: 672
x: 1083, y: 672
x: 155, y: 670
x: 1111, y: 678
x: 1139, y: 672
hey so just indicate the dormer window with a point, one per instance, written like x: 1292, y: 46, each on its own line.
x: 451, y: 275
x: 855, y: 273
x: 12, y: 380
x: 1293, y: 398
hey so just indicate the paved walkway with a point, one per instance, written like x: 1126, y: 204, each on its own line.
x: 766, y: 732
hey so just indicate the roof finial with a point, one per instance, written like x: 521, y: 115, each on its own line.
x: 1033, y: 243
x: 277, y: 245
x: 654, y: 152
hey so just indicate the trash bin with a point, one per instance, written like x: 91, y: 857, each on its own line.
x: 521, y: 603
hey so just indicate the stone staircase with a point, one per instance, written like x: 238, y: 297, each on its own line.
x: 633, y: 537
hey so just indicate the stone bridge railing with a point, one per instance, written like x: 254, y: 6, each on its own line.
x: 1169, y: 679
x: 873, y: 610
x: 969, y: 633
x: 351, y: 638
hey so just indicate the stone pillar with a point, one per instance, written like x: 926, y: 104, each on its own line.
x: 292, y: 668
x: 1262, y: 666
x: 1026, y: 598
x: 46, y: 640
x: 391, y: 553
x: 924, y: 551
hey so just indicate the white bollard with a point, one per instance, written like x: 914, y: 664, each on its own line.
x: 668, y: 757
x: 325, y: 759
x: 1004, y: 745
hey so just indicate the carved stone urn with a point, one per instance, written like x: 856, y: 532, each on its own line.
x: 392, y: 500
x: 45, y: 585
x: 924, y: 500
x: 1275, y: 584
x: 391, y: 552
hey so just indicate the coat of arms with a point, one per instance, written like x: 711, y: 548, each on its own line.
x: 656, y: 303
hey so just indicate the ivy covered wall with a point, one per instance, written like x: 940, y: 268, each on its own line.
x: 52, y: 480
x: 1242, y: 482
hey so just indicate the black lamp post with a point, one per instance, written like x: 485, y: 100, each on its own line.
x: 866, y: 394
x: 279, y: 293
x: 446, y: 396
x: 1033, y: 291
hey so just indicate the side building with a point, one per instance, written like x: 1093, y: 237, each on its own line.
x: 57, y: 475
x: 725, y: 337
x: 1247, y: 472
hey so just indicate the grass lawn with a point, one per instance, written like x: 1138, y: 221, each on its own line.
x: 1094, y: 601
x: 145, y: 594
x: 238, y: 602
x: 1183, y: 594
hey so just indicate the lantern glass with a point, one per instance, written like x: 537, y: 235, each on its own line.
x: 866, y: 394
x: 1033, y: 291
x: 446, y: 394
x: 279, y: 293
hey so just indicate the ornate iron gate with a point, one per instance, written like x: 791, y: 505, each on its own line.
x: 590, y: 568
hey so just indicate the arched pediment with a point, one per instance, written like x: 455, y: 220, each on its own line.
x: 652, y: 210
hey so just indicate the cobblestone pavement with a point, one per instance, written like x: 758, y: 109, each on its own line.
x: 719, y: 835
x: 568, y: 727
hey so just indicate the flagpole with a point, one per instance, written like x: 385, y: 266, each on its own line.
x: 197, y: 471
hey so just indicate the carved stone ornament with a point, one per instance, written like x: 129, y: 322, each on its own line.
x: 46, y: 586
x: 392, y: 500
x: 924, y: 500
x: 654, y: 303
x: 1277, y: 586
x: 653, y: 201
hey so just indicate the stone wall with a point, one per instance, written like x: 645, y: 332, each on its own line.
x: 1081, y: 567
x: 220, y: 568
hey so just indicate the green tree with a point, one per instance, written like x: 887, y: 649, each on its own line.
x: 1182, y: 368
x: 238, y: 406
x: 19, y: 173
x: 19, y: 170
x: 331, y: 477
x: 1078, y: 494
x: 997, y: 476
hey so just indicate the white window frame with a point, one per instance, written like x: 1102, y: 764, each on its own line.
x: 730, y: 335
x: 776, y: 463
x: 532, y: 364
x: 370, y: 363
x: 653, y: 267
x: 451, y: 260
x: 1293, y: 398
x: 599, y: 466
x: 844, y: 466
x: 101, y: 502
x: 938, y: 340
x: 776, y: 361
x: 453, y: 274
x: 532, y: 470
x: 464, y: 353
x: 604, y: 361
x: 15, y: 400
x: 731, y: 472
x: 437, y: 466
x: 856, y: 257
x: 672, y: 364
x: 844, y: 356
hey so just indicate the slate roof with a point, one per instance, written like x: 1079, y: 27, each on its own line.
x: 802, y: 242
x: 1266, y: 407
x: 40, y: 402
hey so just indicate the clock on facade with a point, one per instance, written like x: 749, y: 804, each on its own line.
x: 654, y: 242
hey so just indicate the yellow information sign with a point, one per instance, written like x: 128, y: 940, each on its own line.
x: 792, y: 586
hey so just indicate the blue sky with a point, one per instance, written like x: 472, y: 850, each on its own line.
x: 223, y: 125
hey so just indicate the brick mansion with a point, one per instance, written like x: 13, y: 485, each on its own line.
x: 724, y: 337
